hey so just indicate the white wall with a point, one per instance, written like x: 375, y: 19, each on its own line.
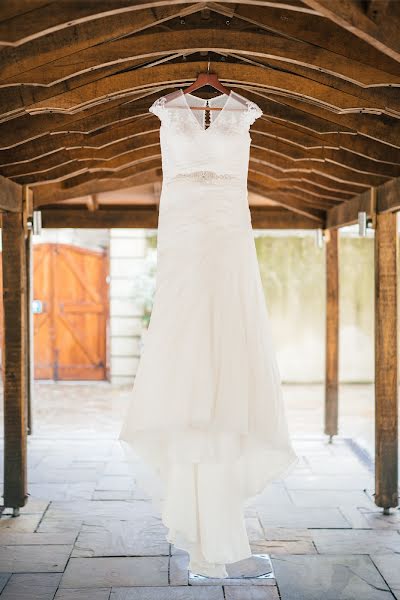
x: 127, y: 253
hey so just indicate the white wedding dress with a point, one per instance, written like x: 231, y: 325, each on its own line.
x: 206, y: 427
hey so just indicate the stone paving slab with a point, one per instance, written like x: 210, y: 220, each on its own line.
x: 328, y: 482
x: 287, y: 534
x: 89, y: 510
x: 253, y: 528
x: 10, y: 538
x: 31, y: 586
x: 389, y: 567
x: 63, y: 491
x: 356, y: 541
x: 59, y: 526
x: 354, y: 516
x: 4, y: 577
x: 377, y: 520
x: 34, y: 559
x: 274, y: 494
x: 115, y: 483
x: 144, y: 536
x: 22, y: 524
x: 112, y: 495
x: 178, y: 569
x: 297, y: 517
x: 252, y: 592
x: 168, y: 593
x: 343, y: 577
x: 332, y: 498
x: 109, y: 572
x: 117, y: 467
x: 83, y: 594
x: 66, y: 475
x: 282, y: 547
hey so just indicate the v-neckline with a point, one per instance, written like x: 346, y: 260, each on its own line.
x: 211, y: 126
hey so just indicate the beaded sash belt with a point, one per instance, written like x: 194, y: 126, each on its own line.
x: 204, y: 177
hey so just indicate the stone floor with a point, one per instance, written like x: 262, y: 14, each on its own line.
x: 89, y: 533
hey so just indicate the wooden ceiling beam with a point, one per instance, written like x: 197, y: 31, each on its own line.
x: 84, y: 170
x: 316, y: 30
x: 52, y: 18
x: 378, y: 127
x: 292, y: 204
x: 54, y: 162
x: 162, y: 44
x: 147, y: 217
x: 314, y: 181
x: 55, y: 192
x: 27, y: 128
x: 104, y: 217
x: 384, y: 198
x: 11, y: 195
x: 297, y: 179
x: 35, y: 100
x: 380, y: 31
x: 347, y: 213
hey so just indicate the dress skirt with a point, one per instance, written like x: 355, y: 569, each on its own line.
x: 206, y: 428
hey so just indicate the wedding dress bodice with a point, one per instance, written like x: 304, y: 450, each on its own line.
x: 216, y: 154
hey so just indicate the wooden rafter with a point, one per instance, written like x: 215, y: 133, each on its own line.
x: 78, y: 82
x: 379, y: 28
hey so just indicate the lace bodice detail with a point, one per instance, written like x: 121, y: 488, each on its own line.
x: 187, y: 146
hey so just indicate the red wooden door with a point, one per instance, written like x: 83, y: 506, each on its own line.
x: 70, y: 335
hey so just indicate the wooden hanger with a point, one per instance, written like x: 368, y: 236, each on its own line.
x: 207, y: 79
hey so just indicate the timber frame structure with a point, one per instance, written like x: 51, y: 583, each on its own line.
x: 78, y: 144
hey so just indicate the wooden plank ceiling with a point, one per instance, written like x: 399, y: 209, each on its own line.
x: 77, y: 78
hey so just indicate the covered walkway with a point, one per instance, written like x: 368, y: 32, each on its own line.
x: 78, y: 148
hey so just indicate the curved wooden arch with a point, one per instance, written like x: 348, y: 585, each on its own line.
x: 152, y: 46
x: 131, y: 82
x: 133, y: 132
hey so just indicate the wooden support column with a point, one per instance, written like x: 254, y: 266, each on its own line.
x: 29, y: 329
x: 332, y: 333
x: 27, y: 204
x: 386, y: 377
x: 15, y: 356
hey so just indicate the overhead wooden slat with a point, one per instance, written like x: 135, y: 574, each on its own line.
x: 380, y: 128
x: 152, y: 45
x: 147, y: 217
x: 317, y: 30
x: 36, y: 100
x: 380, y: 32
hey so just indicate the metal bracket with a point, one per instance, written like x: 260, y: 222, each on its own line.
x: 27, y: 209
x: 373, y: 207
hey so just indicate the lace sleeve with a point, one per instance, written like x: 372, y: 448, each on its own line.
x: 253, y: 112
x: 158, y: 107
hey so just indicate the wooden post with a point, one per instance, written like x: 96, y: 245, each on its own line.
x: 29, y: 329
x: 386, y: 411
x: 15, y: 354
x: 332, y: 333
x: 27, y: 211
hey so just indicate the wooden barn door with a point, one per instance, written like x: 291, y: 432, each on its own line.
x: 70, y: 333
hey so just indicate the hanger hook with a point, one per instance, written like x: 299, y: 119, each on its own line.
x: 208, y: 66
